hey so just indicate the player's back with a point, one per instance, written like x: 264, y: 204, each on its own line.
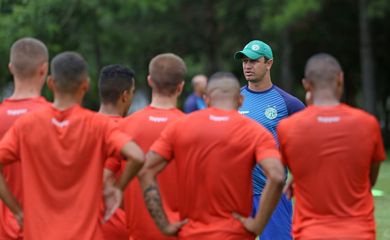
x: 10, y: 111
x: 329, y: 151
x: 145, y: 127
x: 62, y: 155
x: 214, y: 156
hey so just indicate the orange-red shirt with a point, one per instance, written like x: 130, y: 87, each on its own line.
x: 10, y: 111
x: 62, y: 154
x: 215, y: 151
x: 145, y: 127
x: 115, y: 227
x: 329, y: 151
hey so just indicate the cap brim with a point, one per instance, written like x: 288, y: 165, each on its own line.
x: 246, y: 53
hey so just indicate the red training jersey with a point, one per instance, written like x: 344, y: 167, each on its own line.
x: 10, y: 111
x: 215, y: 151
x: 329, y: 151
x: 62, y: 155
x: 115, y: 227
x: 145, y: 127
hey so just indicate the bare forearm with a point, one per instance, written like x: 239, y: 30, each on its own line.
x: 8, y: 198
x: 153, y: 203
x: 131, y: 170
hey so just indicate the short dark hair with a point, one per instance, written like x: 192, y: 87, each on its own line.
x: 113, y: 81
x: 69, y: 70
x: 26, y: 55
x: 167, y: 71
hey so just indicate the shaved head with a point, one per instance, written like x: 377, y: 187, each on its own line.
x: 26, y: 56
x: 322, y: 70
x: 69, y: 70
x: 223, y: 85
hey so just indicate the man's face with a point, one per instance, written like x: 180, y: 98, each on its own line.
x: 254, y: 70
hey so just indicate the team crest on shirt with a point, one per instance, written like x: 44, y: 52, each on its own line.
x: 271, y: 113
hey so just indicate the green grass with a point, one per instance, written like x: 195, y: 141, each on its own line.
x: 382, y: 203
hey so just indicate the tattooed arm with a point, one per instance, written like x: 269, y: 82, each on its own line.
x: 154, y: 164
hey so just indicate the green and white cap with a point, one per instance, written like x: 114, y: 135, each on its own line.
x: 254, y: 50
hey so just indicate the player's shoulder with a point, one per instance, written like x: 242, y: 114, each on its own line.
x: 359, y: 114
x: 292, y: 102
x: 296, y: 118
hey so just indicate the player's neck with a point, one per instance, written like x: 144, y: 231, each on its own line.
x: 325, y: 98
x: 224, y: 104
x: 26, y: 88
x: 109, y: 109
x: 262, y: 85
x: 163, y: 102
x: 65, y: 101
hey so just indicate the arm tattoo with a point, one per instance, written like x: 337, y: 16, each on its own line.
x: 153, y: 203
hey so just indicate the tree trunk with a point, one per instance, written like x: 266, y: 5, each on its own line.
x: 285, y: 62
x: 211, y: 37
x: 366, y: 59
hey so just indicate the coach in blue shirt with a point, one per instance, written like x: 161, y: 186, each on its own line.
x: 267, y: 104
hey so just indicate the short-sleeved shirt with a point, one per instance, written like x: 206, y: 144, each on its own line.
x: 214, y: 157
x: 329, y: 151
x: 62, y: 155
x: 10, y: 111
x: 145, y: 127
x: 267, y: 108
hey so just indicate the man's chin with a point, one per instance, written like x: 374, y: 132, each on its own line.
x: 252, y: 80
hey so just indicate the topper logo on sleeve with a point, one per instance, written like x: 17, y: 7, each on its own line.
x: 271, y: 113
x: 219, y: 118
x: 60, y: 124
x: 16, y: 112
x: 158, y: 119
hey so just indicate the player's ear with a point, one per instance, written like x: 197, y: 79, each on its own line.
x: 11, y: 68
x: 150, y: 81
x: 206, y: 99
x: 340, y: 84
x: 50, y: 83
x: 43, y: 69
x: 180, y: 88
x: 240, y: 100
x: 307, y: 85
x: 85, y: 85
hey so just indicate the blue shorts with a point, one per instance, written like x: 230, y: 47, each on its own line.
x: 279, y: 225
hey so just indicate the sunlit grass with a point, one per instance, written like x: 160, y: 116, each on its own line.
x: 382, y: 203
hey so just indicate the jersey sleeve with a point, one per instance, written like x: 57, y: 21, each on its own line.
x: 293, y: 104
x: 115, y: 140
x: 265, y: 145
x: 113, y: 164
x: 10, y: 146
x: 379, y: 149
x: 164, y: 144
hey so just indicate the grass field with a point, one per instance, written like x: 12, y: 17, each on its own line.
x: 382, y: 203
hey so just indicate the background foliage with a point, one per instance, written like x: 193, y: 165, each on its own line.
x: 206, y: 33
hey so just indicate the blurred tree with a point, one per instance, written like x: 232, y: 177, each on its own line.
x: 280, y: 18
x: 206, y: 33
